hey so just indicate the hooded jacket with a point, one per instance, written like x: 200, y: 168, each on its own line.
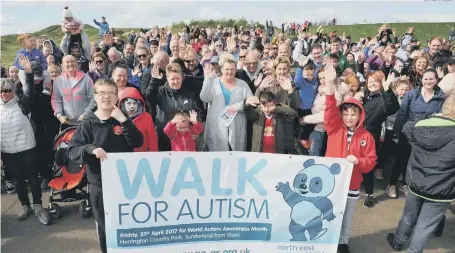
x: 362, y: 143
x: 110, y: 135
x: 431, y: 168
x: 183, y: 141
x: 143, y: 122
x: 71, y: 100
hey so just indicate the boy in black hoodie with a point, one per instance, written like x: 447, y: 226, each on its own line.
x: 105, y: 130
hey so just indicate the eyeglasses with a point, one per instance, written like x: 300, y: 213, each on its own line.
x: 141, y: 55
x: 251, y: 63
x: 243, y: 47
x: 219, y: 45
x: 99, y: 62
x: 7, y: 90
x: 191, y: 61
x: 104, y: 93
x: 242, y: 56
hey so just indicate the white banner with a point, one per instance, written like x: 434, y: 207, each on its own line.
x: 223, y: 202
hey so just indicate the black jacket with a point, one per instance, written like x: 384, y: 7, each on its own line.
x: 377, y: 107
x: 168, y: 101
x: 150, y: 86
x: 437, y: 60
x: 431, y: 167
x: 109, y: 135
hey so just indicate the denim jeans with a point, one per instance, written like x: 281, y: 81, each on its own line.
x: 422, y: 214
x: 317, y: 141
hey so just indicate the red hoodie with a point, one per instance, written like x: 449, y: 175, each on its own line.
x: 143, y: 122
x: 183, y: 141
x: 362, y: 142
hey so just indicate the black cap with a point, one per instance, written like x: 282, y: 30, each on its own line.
x: 451, y: 60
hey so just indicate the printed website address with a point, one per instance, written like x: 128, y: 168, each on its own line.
x: 247, y: 250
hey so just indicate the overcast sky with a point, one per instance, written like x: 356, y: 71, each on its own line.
x: 30, y: 16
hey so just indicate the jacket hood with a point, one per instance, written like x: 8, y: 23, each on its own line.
x: 362, y: 111
x: 433, y: 133
x: 130, y: 92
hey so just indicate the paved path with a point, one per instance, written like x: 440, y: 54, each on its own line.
x: 73, y: 234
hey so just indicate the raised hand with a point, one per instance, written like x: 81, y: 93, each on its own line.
x: 117, y: 114
x: 266, y: 83
x: 156, y: 72
x: 285, y: 83
x: 253, y: 101
x: 386, y: 83
x: 231, y: 46
x: 361, y: 58
x: 208, y: 71
x: 330, y: 76
x: 193, y: 116
x: 24, y: 62
x: 440, y: 72
x: 136, y: 70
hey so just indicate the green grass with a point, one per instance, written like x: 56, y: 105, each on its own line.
x: 423, y: 31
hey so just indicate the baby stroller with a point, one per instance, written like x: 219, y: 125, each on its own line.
x: 69, y: 178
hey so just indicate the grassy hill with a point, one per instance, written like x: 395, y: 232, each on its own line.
x: 423, y: 31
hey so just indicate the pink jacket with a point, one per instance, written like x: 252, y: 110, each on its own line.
x: 317, y: 116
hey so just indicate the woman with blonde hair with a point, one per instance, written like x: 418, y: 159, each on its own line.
x: 351, y: 88
x: 419, y: 65
x: 225, y: 97
x: 280, y: 83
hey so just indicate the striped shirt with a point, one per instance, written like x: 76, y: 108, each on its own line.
x: 353, y: 194
x: 350, y: 133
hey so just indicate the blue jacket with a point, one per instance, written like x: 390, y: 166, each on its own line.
x: 414, y: 108
x: 34, y: 55
x: 103, y: 27
x: 307, y: 89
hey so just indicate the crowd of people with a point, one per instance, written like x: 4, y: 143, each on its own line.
x: 239, y: 89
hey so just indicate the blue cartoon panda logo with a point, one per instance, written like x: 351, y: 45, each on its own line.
x: 309, y: 202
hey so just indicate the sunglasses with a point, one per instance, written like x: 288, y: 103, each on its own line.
x: 242, y: 56
x: 274, y: 48
x: 7, y: 91
x: 141, y: 55
x: 99, y: 62
x: 190, y: 61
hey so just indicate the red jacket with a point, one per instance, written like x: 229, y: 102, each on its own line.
x: 183, y: 141
x: 143, y: 122
x: 362, y: 142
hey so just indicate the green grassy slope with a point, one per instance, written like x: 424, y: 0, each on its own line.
x: 423, y: 31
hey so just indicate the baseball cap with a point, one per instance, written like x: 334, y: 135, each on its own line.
x: 451, y: 60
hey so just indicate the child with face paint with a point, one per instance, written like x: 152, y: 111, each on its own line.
x: 133, y: 105
x: 183, y: 130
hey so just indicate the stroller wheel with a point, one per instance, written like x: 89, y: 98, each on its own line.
x: 55, y: 211
x: 84, y: 210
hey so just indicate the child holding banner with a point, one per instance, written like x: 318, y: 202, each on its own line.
x: 348, y: 139
x: 105, y: 130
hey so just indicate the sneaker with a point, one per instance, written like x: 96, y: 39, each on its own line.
x: 369, y: 201
x: 391, y: 239
x: 45, y: 184
x: 41, y: 214
x: 24, y: 212
x: 10, y: 187
x: 404, y: 189
x: 343, y: 248
x: 391, y: 191
x: 46, y: 91
x: 378, y: 174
